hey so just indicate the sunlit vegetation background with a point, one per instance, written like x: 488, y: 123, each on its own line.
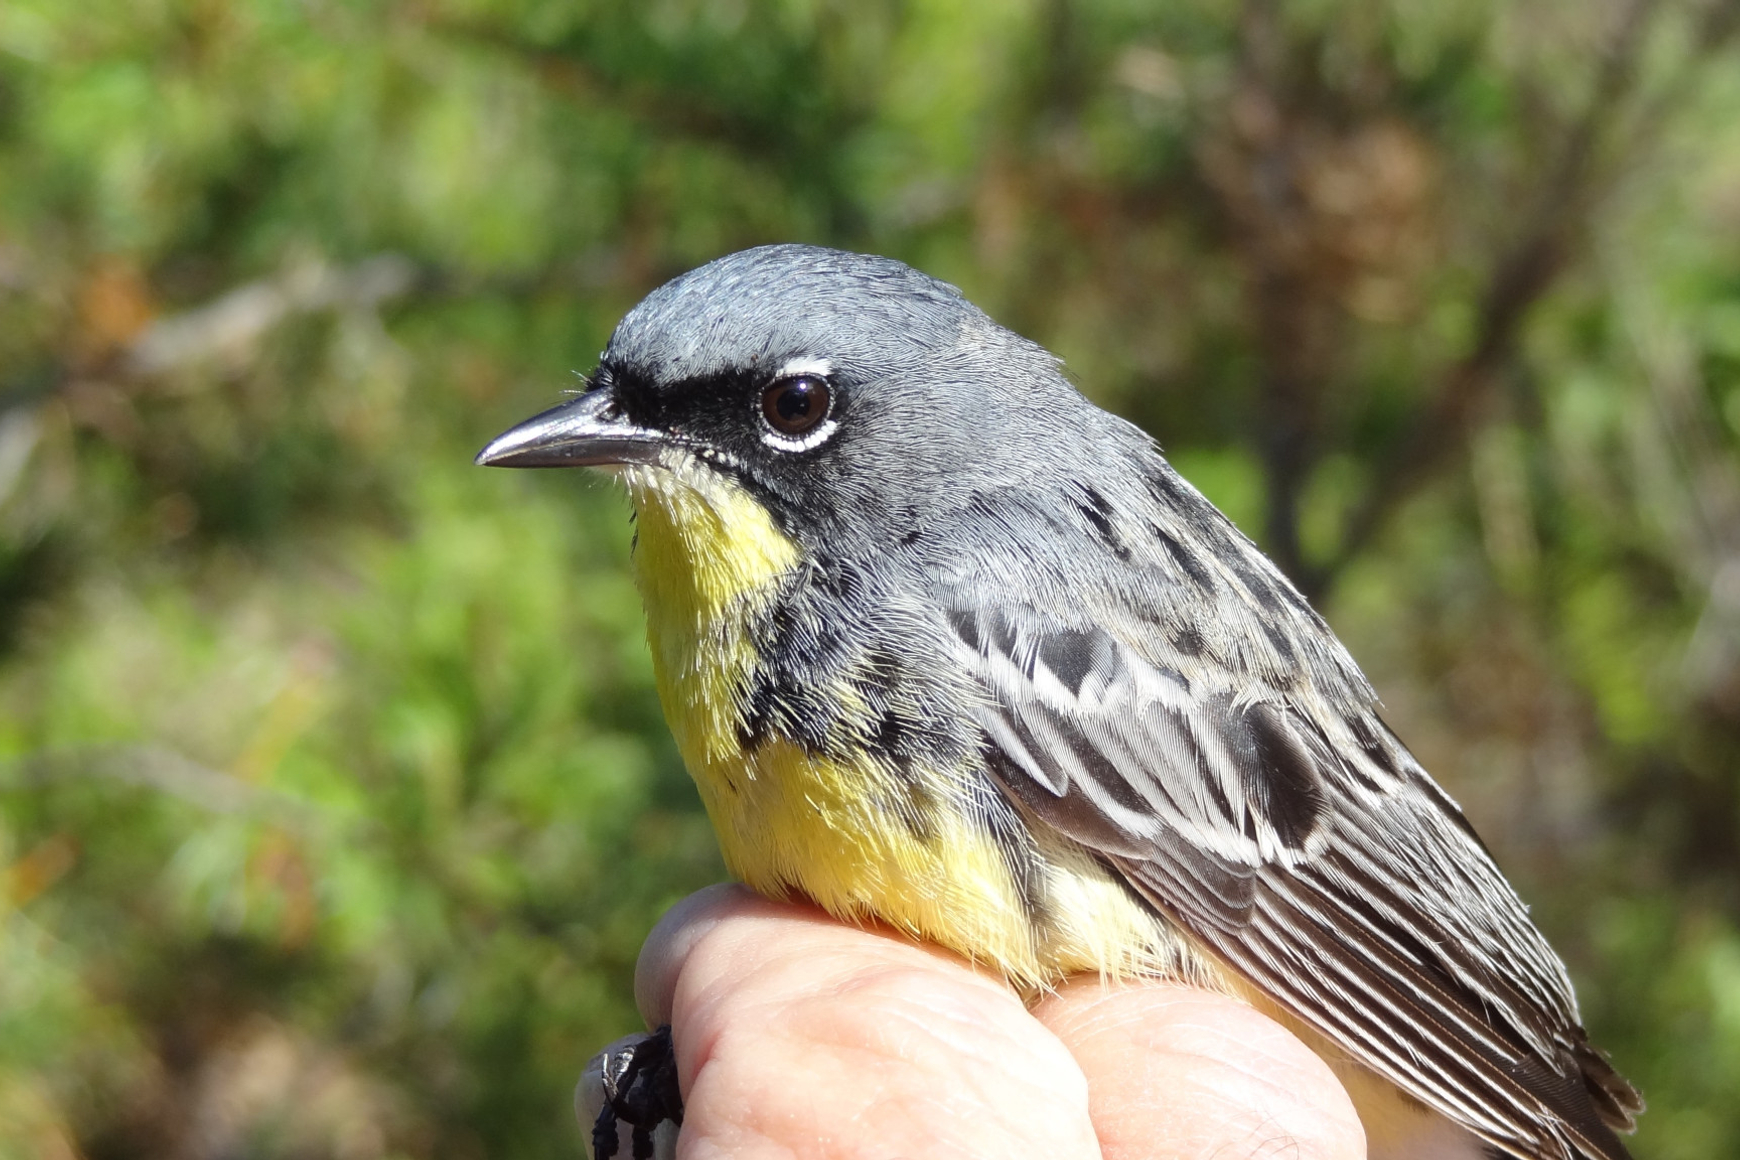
x: 334, y: 797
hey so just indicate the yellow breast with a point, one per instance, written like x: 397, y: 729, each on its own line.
x: 708, y: 560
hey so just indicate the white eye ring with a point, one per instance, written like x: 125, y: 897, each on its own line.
x: 812, y: 438
x: 812, y: 376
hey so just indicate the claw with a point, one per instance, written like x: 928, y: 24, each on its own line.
x: 633, y: 1082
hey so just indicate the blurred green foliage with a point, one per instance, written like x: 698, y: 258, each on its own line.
x: 334, y: 798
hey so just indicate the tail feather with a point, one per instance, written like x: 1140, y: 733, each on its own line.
x: 1616, y: 1101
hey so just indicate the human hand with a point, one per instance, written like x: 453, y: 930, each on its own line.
x: 798, y: 1036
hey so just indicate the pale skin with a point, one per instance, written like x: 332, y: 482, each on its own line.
x: 800, y: 1038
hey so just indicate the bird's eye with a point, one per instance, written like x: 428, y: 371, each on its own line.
x: 795, y: 405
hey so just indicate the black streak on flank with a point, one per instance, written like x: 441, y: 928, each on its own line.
x: 894, y: 734
x: 772, y: 712
x: 786, y: 694
x: 890, y: 734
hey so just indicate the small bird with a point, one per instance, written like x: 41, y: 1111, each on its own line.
x: 947, y: 647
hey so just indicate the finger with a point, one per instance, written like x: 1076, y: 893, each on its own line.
x: 674, y: 935
x: 797, y: 1036
x: 1175, y: 1071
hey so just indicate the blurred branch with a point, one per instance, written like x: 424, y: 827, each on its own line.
x: 153, y: 767
x: 1522, y: 275
x: 226, y: 331
x: 231, y: 326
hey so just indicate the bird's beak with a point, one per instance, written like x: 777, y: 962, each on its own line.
x: 579, y: 433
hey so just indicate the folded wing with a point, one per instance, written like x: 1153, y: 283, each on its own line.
x: 1304, y: 846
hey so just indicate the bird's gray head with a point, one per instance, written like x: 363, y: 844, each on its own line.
x: 852, y: 395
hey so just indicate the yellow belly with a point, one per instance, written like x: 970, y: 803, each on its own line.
x: 708, y: 558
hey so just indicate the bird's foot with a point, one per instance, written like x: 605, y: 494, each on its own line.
x: 631, y: 1088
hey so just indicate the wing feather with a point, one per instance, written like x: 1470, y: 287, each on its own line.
x: 1305, y: 847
